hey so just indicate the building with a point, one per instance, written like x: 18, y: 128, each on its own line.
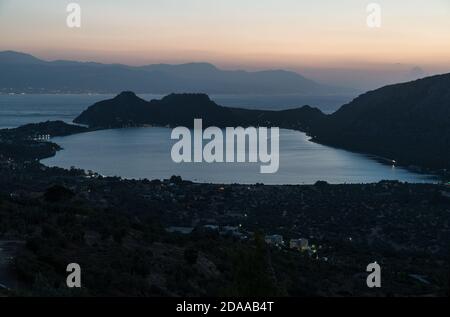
x: 445, y: 194
x: 42, y: 137
x: 211, y: 227
x: 299, y: 244
x: 229, y: 230
x: 181, y: 230
x: 233, y: 232
x: 276, y: 240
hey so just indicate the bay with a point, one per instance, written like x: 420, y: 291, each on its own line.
x: 145, y: 152
x: 139, y: 153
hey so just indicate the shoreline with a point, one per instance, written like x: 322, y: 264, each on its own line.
x: 344, y: 224
x: 432, y: 177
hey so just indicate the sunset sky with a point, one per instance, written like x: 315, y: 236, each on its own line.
x: 250, y: 34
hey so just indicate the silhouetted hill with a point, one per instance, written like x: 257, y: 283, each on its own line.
x: 407, y: 122
x: 126, y: 109
x: 11, y: 57
x: 23, y: 143
x: 52, y: 128
x: 25, y: 73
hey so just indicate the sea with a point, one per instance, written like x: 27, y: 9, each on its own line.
x: 138, y: 153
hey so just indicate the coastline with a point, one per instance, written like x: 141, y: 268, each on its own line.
x: 437, y: 178
x: 346, y: 226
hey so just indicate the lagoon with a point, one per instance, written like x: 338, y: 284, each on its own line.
x: 138, y: 153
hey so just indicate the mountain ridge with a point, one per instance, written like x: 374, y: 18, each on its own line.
x: 23, y: 72
x: 406, y: 122
x: 127, y: 109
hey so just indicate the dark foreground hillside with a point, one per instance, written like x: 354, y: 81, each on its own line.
x: 153, y: 238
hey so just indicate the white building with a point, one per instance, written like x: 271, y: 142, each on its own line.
x: 275, y: 239
x: 299, y: 244
x: 42, y: 137
x: 181, y: 230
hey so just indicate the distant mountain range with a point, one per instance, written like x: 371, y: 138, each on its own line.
x: 25, y: 73
x: 408, y: 123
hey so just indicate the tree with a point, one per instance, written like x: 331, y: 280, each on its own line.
x: 191, y: 256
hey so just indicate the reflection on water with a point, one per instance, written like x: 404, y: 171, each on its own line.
x: 145, y: 153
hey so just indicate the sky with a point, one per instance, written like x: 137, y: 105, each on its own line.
x: 313, y: 37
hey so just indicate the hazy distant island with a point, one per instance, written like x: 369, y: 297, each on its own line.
x: 24, y: 73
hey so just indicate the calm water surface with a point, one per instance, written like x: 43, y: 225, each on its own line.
x: 145, y: 153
